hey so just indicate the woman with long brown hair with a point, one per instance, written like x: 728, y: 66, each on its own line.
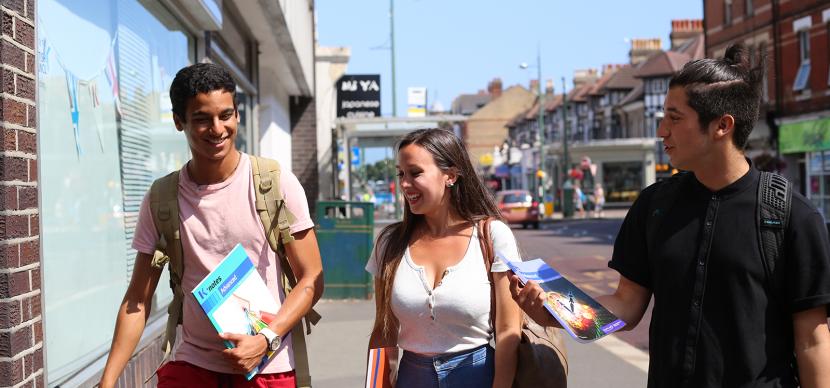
x: 433, y: 294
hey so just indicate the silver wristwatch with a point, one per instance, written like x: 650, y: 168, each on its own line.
x: 273, y: 339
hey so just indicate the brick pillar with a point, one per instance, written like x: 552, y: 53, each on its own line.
x: 304, y: 147
x: 21, y: 320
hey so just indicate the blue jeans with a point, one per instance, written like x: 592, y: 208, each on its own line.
x: 469, y: 369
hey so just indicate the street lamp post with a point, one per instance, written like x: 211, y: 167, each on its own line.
x: 567, y: 185
x: 541, y: 124
x: 540, y: 171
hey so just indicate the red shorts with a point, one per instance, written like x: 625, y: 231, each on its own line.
x: 180, y: 374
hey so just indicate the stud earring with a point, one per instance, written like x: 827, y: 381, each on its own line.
x: 449, y: 184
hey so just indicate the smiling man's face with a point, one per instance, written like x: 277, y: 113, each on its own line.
x: 210, y: 125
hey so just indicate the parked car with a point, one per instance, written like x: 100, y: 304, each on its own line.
x: 518, y: 207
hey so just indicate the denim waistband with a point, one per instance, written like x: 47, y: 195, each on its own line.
x: 479, y: 352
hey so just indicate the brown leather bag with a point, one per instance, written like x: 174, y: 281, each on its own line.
x: 542, y: 358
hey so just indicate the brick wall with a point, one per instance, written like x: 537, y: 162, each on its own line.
x: 304, y: 147
x: 21, y: 319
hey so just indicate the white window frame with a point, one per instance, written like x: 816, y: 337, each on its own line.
x: 727, y: 12
x: 801, y: 27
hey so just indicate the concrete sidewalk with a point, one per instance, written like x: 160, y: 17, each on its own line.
x: 337, y: 350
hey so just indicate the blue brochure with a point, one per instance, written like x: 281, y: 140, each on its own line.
x: 236, y: 300
x: 580, y: 315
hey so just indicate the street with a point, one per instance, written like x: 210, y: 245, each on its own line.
x: 579, y: 249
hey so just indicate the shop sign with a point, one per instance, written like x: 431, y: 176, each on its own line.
x: 358, y: 96
x: 805, y: 136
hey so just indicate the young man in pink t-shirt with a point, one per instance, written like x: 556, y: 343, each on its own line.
x: 216, y: 211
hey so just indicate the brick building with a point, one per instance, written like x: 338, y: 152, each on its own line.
x: 795, y: 121
x: 21, y: 307
x: 87, y: 126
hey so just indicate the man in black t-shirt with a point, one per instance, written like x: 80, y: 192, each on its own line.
x: 719, y: 318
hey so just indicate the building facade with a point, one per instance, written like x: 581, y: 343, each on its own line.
x: 793, y: 131
x: 88, y: 126
x: 610, y: 119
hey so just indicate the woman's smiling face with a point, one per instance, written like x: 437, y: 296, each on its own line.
x: 424, y: 185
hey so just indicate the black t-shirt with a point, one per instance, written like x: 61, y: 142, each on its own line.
x: 717, y: 322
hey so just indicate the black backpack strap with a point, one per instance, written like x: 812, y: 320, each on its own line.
x: 661, y: 201
x: 774, y: 202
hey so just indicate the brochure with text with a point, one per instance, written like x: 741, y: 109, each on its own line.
x: 236, y: 300
x: 580, y: 315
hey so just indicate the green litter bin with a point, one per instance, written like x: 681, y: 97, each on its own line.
x: 345, y: 233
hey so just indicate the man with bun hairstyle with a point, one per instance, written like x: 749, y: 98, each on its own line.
x: 726, y: 314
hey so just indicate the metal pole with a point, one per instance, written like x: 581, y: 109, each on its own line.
x: 392, y: 37
x: 567, y: 186
x: 566, y: 163
x: 541, y: 123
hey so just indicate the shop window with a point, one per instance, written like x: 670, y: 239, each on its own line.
x: 623, y: 181
x: 818, y: 181
x: 104, y: 70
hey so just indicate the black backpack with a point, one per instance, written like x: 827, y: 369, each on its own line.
x: 771, y: 219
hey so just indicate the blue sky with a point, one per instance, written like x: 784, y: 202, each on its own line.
x: 457, y: 46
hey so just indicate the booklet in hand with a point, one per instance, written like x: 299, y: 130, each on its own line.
x: 236, y: 300
x: 580, y: 315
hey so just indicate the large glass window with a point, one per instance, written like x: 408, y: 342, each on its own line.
x: 623, y: 180
x: 104, y: 70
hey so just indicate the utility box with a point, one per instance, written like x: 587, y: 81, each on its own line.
x: 568, y: 199
x: 345, y: 233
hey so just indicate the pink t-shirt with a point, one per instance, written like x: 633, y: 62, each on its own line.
x: 214, y: 218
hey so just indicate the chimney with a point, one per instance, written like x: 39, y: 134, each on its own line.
x: 534, y: 85
x: 611, y: 68
x: 549, y: 88
x: 585, y: 76
x: 642, y: 49
x: 494, y: 88
x: 682, y: 30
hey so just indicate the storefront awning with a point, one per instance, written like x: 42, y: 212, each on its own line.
x: 804, y: 136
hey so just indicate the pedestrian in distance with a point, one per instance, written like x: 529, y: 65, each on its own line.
x: 599, y: 200
x: 732, y: 307
x: 433, y: 295
x: 217, y: 210
x: 579, y: 199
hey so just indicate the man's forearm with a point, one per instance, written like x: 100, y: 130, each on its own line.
x: 128, y: 329
x: 297, y: 303
x: 814, y: 366
x: 628, y: 312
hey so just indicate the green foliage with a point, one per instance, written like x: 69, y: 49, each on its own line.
x: 383, y: 169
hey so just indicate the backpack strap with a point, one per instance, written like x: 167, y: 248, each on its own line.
x: 164, y: 206
x: 661, y: 201
x: 276, y: 221
x: 774, y: 204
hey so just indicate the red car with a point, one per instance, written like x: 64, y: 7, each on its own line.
x: 518, y: 207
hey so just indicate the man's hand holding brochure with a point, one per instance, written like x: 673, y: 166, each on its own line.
x: 580, y: 315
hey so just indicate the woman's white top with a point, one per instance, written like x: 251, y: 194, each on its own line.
x: 454, y: 316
